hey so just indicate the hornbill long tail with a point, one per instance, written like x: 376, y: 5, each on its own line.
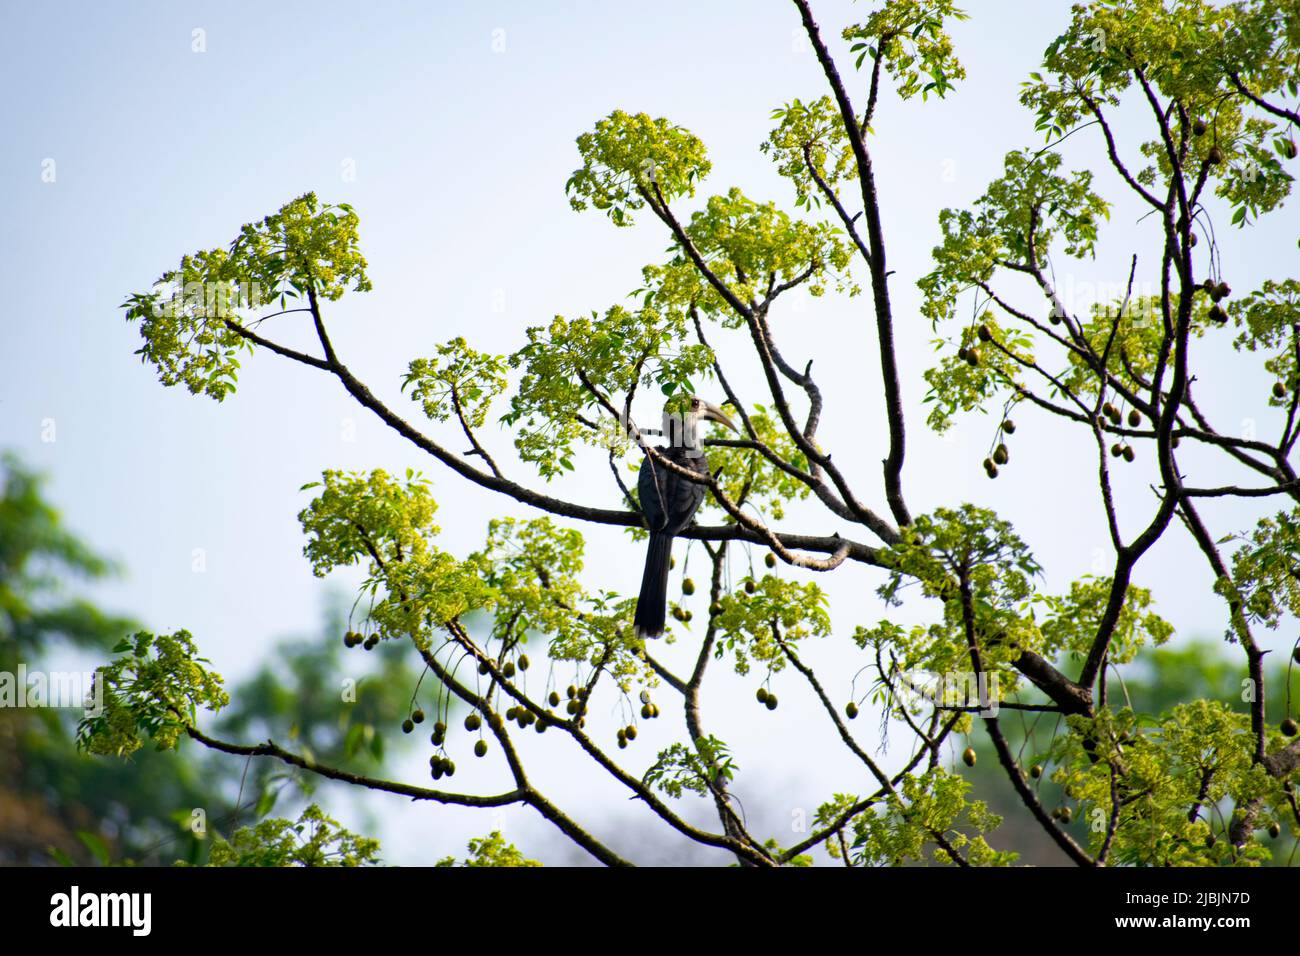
x: 652, y: 604
x: 669, y: 501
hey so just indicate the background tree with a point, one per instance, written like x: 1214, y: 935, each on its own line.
x: 58, y: 805
x: 1208, y: 88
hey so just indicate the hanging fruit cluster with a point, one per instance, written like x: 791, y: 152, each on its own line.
x: 1122, y: 449
x: 1217, y: 291
x: 352, y: 639
x: 1001, y: 454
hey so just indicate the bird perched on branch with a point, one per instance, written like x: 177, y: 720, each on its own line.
x: 669, y: 501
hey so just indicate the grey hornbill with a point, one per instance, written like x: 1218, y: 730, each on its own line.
x: 669, y: 501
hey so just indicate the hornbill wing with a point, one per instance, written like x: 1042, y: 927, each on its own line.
x: 669, y: 502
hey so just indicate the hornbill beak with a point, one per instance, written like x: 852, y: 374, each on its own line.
x: 714, y: 413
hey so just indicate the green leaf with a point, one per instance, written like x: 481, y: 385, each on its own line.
x: 96, y: 845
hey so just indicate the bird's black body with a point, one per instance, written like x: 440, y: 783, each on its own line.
x: 668, y: 501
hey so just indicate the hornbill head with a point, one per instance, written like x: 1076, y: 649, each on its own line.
x: 682, y: 418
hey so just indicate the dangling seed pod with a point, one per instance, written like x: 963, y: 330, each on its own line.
x: 1009, y: 426
x: 1289, y: 727
x: 508, y: 669
x: 418, y: 716
x: 761, y: 695
x: 1279, y: 390
x: 1199, y: 127
x: 771, y: 701
x: 1134, y: 418
x: 851, y: 709
x: 968, y: 756
x: 769, y: 559
x: 750, y: 588
x: 1215, y: 156
x: 473, y: 722
x: 480, y: 748
x: 408, y: 725
x: 1000, y: 455
x: 984, y: 334
x: 630, y: 731
x: 553, y: 698
x: 688, y: 587
x: 1116, y: 450
x: 523, y: 662
x: 1129, y: 454
x: 571, y: 692
x: 1036, y: 771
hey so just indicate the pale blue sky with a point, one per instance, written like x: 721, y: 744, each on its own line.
x: 461, y: 152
